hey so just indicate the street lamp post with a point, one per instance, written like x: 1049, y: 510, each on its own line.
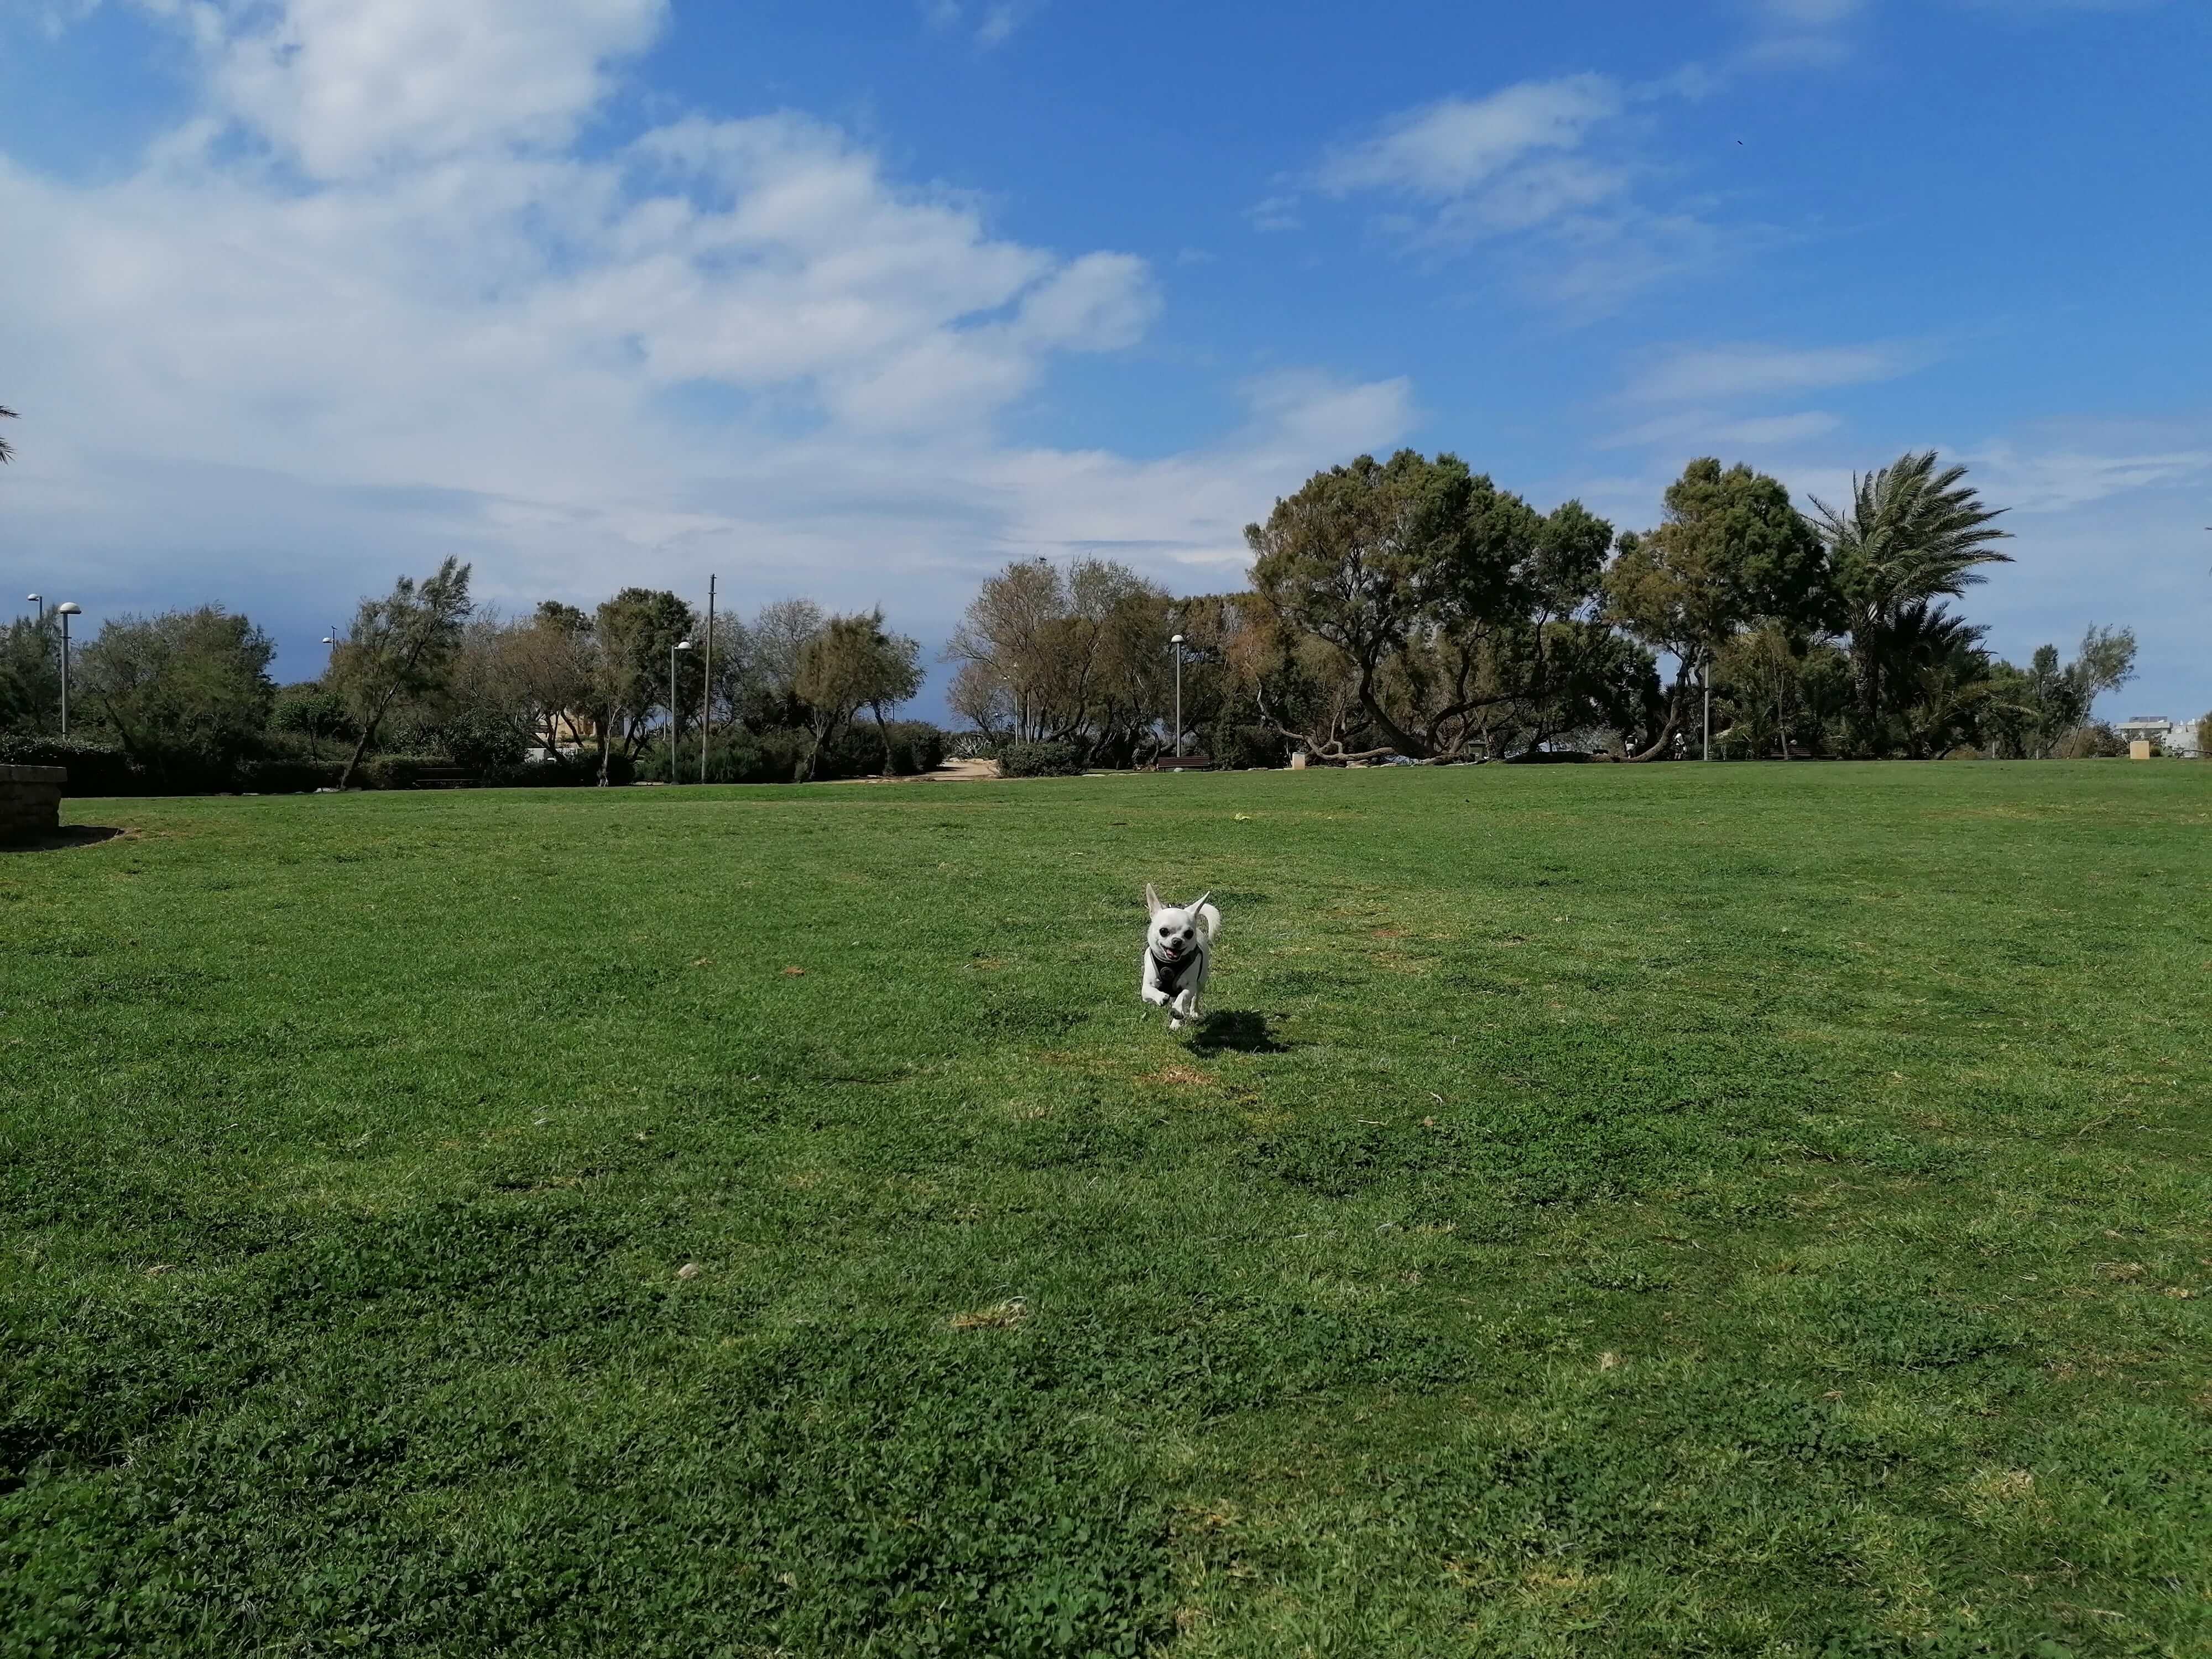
x: 1178, y: 650
x: 680, y: 645
x: 65, y: 610
x: 37, y: 612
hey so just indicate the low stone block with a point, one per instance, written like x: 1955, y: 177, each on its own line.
x: 30, y: 802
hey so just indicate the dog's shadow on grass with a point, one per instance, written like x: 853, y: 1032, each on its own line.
x: 1239, y: 1030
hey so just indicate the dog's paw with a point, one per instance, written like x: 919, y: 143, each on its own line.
x: 1175, y: 1025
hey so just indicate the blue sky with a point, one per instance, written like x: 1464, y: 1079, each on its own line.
x: 860, y: 300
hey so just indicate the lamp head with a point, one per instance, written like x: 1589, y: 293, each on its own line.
x: 69, y: 608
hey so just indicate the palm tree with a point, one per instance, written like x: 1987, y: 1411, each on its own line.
x: 6, y: 453
x: 1909, y: 535
x: 1943, y: 676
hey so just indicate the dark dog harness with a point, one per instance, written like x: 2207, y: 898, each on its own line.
x: 1169, y: 974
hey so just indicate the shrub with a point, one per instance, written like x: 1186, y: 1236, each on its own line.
x: 1040, y: 760
x: 1241, y: 747
x: 285, y: 775
x: 399, y: 771
x: 2096, y: 741
x: 916, y: 746
x: 480, y: 742
x: 94, y: 768
x: 578, y: 771
x: 776, y: 755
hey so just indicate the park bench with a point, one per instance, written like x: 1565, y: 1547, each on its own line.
x: 1183, y: 764
x: 446, y: 777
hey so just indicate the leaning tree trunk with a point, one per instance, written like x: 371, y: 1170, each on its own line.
x: 1667, y: 732
x: 883, y: 730
x: 367, y: 737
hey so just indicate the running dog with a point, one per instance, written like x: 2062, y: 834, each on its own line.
x: 1178, y: 955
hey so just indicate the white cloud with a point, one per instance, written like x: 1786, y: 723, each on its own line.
x: 1691, y: 374
x: 1445, y: 149
x: 739, y: 345
x: 1275, y: 213
x: 339, y: 86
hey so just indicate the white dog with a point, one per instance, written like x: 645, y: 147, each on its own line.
x: 1178, y: 955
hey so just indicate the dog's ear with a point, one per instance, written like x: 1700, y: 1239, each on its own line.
x: 1199, y: 903
x: 1152, y: 901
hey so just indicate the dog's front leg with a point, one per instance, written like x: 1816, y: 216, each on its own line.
x: 1148, y: 984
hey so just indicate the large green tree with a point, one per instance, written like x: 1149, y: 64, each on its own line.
x: 2035, y: 709
x: 186, y: 690
x: 855, y: 663
x: 6, y: 453
x: 311, y: 711
x: 636, y: 633
x: 30, y: 673
x: 1731, y: 553
x: 399, y: 651
x: 1911, y: 533
x: 1076, y: 654
x: 1440, y: 599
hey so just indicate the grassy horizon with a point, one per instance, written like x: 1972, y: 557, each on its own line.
x: 1746, y: 1210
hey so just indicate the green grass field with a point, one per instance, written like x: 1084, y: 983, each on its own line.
x: 1745, y: 1210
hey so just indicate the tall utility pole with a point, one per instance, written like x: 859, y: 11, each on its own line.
x: 707, y: 693
x: 1705, y: 680
x: 1178, y: 651
x: 65, y: 610
x: 674, y: 720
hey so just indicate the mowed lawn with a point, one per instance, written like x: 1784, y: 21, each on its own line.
x: 1748, y: 1210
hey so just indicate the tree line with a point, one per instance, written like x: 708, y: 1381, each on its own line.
x: 1406, y: 607
x: 424, y: 681
x: 1411, y: 607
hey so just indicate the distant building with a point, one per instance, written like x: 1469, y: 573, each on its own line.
x: 2175, y: 737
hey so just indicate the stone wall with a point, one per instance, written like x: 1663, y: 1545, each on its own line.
x: 30, y: 801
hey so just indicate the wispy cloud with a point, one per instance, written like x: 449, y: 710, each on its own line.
x: 2053, y: 472
x: 1704, y: 428
x: 1808, y: 13
x: 1275, y: 213
x: 1799, y: 34
x: 1445, y: 151
x: 1691, y: 374
x: 1548, y: 178
x: 988, y: 25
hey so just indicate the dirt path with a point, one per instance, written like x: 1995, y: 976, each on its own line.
x: 953, y: 771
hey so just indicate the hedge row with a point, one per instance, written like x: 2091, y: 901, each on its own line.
x: 1040, y: 760
x: 99, y: 769
x: 778, y: 756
